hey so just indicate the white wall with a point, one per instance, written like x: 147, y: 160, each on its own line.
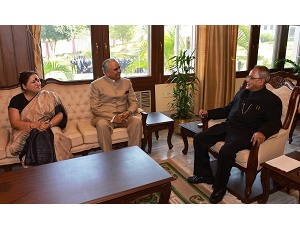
x: 163, y: 95
x: 238, y: 83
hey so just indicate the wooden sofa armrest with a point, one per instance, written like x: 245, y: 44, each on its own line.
x: 205, y: 123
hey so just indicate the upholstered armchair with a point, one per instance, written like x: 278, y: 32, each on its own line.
x: 248, y: 161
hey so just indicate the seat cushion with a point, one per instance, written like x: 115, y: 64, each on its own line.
x: 88, y: 131
x: 4, y: 139
x: 119, y: 135
x: 73, y: 133
x: 241, y: 157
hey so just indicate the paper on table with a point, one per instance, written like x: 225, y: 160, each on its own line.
x: 284, y: 163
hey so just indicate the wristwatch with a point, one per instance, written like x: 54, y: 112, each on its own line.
x: 51, y: 124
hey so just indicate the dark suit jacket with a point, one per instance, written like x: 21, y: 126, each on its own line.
x: 248, y: 113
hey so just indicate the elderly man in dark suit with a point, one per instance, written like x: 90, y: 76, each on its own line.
x: 252, y: 116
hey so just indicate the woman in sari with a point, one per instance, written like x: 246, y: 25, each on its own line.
x: 37, y: 117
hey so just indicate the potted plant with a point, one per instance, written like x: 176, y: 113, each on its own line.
x: 281, y: 62
x: 183, y: 92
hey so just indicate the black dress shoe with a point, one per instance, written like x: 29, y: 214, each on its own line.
x: 196, y: 179
x: 217, y: 196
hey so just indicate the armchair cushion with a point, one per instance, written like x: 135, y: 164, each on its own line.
x: 284, y: 94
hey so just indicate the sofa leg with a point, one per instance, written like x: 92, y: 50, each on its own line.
x: 8, y: 167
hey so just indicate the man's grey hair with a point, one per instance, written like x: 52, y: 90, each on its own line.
x: 105, y: 64
x: 263, y: 72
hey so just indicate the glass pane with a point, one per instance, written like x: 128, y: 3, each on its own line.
x: 242, y: 47
x: 177, y: 38
x: 267, y: 49
x: 293, y: 44
x: 129, y: 44
x: 66, y: 51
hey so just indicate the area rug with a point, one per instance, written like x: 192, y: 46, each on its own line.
x: 187, y: 170
x: 183, y: 192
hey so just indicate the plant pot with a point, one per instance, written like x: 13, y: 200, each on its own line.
x: 178, y: 122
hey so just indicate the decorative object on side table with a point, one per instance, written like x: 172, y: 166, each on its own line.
x: 184, y: 81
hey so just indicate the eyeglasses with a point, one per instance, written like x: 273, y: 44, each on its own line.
x: 252, y: 78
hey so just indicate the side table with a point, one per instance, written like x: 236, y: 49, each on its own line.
x: 189, y: 129
x: 287, y: 179
x: 155, y: 122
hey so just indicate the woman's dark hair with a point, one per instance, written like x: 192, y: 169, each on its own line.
x: 24, y: 77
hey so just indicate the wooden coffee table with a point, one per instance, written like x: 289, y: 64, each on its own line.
x: 189, y: 129
x: 109, y: 177
x: 286, y: 179
x: 155, y: 122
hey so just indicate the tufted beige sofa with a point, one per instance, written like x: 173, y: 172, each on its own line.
x: 75, y: 98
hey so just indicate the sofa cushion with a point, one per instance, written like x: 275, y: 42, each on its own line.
x: 75, y: 98
x: 4, y: 139
x: 84, y: 147
x: 88, y: 131
x: 73, y: 133
x: 5, y: 98
x: 119, y: 135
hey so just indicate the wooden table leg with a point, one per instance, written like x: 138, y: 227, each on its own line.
x: 170, y: 133
x: 165, y: 193
x: 265, y: 182
x: 144, y: 143
x: 149, y: 141
x: 185, y: 142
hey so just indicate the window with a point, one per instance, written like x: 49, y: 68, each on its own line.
x: 242, y: 47
x: 76, y: 52
x: 177, y: 38
x: 129, y: 44
x: 66, y: 52
x: 265, y: 45
x: 293, y: 44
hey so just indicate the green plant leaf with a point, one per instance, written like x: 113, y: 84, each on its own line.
x: 184, y: 85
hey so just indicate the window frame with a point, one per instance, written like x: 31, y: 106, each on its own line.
x: 281, y: 39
